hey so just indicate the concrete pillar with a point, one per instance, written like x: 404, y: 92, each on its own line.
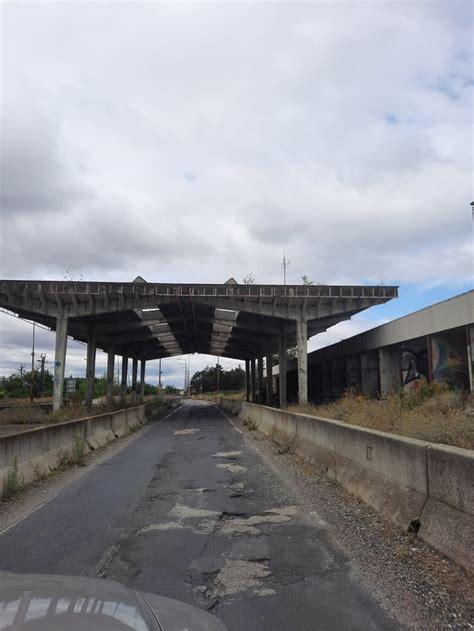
x: 253, y: 385
x: 269, y: 367
x: 123, y: 386
x: 369, y: 374
x: 470, y: 355
x: 134, y: 379
x: 302, y: 344
x: 59, y: 362
x: 390, y: 370
x: 90, y: 370
x: 282, y: 368
x: 110, y: 376
x: 247, y: 380
x: 261, y: 398
x: 142, y: 379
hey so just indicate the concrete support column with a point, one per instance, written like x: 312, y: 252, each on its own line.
x: 282, y: 368
x: 142, y: 379
x: 470, y: 355
x: 134, y: 379
x: 123, y: 386
x: 253, y: 385
x: 269, y: 367
x: 302, y: 344
x: 110, y: 376
x: 90, y: 370
x: 390, y: 370
x: 247, y: 380
x: 59, y: 362
x: 261, y: 398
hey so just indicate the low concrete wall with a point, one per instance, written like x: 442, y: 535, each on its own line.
x: 38, y: 451
x: 402, y: 478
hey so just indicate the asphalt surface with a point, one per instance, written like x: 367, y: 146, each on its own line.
x: 190, y: 510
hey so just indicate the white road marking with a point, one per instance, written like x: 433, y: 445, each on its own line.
x: 170, y: 414
x: 230, y: 420
x: 2, y: 532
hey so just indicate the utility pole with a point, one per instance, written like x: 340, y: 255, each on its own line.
x: 32, y: 384
x: 159, y: 376
x: 285, y: 265
x: 218, y: 375
x: 41, y: 362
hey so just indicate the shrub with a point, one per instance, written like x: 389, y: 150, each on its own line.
x: 13, y: 482
x: 431, y: 412
x: 78, y: 450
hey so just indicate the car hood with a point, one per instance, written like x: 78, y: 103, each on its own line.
x: 33, y: 602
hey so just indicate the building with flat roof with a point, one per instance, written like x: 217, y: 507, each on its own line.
x: 434, y: 344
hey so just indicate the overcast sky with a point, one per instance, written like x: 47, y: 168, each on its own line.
x: 198, y: 141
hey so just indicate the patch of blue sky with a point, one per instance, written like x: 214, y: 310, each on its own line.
x: 413, y: 297
x: 392, y: 119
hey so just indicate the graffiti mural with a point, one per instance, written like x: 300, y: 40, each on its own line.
x: 414, y: 365
x: 449, y: 359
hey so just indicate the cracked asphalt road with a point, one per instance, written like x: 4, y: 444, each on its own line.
x: 190, y: 510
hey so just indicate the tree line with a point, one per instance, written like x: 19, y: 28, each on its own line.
x: 214, y: 378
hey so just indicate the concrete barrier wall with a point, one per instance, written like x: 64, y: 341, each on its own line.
x: 402, y: 478
x: 38, y: 451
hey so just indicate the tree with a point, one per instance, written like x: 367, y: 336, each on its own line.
x: 306, y: 280
x: 229, y: 380
x: 249, y: 279
x: 18, y: 384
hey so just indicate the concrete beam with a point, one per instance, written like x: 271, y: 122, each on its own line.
x: 110, y: 375
x: 247, y: 380
x: 142, y: 379
x: 59, y: 362
x: 90, y: 370
x: 261, y: 395
x: 123, y: 386
x: 269, y: 380
x: 282, y: 366
x: 302, y: 346
x: 134, y: 378
x: 253, y: 379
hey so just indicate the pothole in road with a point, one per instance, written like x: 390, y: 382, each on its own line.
x: 234, y: 577
x: 203, y: 489
x: 233, y: 524
x: 223, y: 523
x: 184, y: 432
x: 227, y: 454
x: 233, y: 468
x: 188, y: 512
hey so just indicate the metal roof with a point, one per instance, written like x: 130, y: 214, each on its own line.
x: 152, y: 320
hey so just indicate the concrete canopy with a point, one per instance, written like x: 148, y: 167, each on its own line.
x: 153, y: 320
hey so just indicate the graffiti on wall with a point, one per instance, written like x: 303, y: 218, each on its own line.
x: 414, y: 365
x: 448, y: 364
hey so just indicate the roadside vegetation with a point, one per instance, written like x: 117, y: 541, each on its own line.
x: 27, y: 415
x: 431, y: 412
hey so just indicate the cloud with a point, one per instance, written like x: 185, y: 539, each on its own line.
x: 197, y: 142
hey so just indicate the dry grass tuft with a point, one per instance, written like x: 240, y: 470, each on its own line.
x: 431, y: 413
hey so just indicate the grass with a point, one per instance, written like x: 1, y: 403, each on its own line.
x: 431, y: 413
x: 29, y: 415
x: 236, y: 395
x: 13, y: 483
x: 250, y: 425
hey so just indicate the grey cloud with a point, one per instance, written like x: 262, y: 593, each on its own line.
x: 278, y: 109
x: 33, y: 173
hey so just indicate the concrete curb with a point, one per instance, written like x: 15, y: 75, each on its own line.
x: 38, y: 451
x: 403, y: 478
